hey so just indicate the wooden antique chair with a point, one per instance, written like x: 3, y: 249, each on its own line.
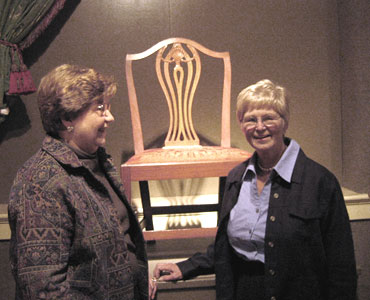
x: 178, y: 69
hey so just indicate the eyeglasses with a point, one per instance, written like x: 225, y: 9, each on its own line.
x: 103, y: 108
x: 268, y: 121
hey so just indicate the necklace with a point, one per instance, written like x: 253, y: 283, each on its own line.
x: 268, y: 170
x: 264, y: 169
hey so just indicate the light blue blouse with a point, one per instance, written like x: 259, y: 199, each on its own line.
x: 247, y: 224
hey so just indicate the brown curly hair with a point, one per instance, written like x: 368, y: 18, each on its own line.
x: 67, y: 91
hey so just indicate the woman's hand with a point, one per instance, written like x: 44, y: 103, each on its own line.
x: 167, y: 272
x: 152, y: 287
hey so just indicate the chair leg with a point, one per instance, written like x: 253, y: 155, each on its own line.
x: 221, y: 190
x: 147, y: 208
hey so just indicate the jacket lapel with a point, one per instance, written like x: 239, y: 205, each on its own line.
x: 232, y: 189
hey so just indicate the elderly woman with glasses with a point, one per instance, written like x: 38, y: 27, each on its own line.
x: 74, y: 235
x: 283, y: 232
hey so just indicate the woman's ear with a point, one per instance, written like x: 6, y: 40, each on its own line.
x: 66, y: 123
x: 66, y: 133
x: 241, y: 125
x: 285, y: 126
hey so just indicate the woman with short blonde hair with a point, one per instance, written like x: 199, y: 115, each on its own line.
x: 283, y: 229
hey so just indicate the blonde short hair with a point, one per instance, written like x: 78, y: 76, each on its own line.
x: 263, y: 94
x: 67, y: 91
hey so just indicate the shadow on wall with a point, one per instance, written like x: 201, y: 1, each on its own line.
x: 18, y: 122
x: 37, y: 49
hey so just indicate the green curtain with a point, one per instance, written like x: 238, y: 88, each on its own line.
x: 18, y: 20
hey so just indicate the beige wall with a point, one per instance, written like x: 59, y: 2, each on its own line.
x: 295, y: 43
x: 355, y: 92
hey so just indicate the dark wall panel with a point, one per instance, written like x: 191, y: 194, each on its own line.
x: 292, y: 42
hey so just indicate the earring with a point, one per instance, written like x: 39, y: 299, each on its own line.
x: 70, y: 128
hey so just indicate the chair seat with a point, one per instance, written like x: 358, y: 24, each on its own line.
x: 186, y: 155
x: 162, y: 163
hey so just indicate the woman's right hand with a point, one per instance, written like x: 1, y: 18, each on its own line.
x: 167, y: 272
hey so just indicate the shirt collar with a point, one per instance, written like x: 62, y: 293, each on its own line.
x: 250, y: 167
x: 284, y: 167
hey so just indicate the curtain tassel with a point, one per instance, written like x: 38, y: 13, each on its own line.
x: 20, y: 79
x: 20, y: 82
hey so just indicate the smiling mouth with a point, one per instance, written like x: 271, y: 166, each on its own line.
x: 261, y: 137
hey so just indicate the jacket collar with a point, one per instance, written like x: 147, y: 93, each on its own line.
x: 299, y: 167
x: 237, y: 175
x: 65, y: 155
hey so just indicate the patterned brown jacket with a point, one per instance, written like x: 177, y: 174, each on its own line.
x: 66, y: 240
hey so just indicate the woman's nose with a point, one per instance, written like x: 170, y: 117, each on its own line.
x: 260, y: 125
x: 109, y: 116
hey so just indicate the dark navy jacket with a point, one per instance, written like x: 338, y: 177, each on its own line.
x: 309, y: 251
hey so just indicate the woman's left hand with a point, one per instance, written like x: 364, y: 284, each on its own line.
x: 152, y: 287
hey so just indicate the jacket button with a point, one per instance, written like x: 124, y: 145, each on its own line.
x: 273, y: 298
x: 276, y: 195
x: 272, y: 218
x: 271, y: 244
x: 272, y: 272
